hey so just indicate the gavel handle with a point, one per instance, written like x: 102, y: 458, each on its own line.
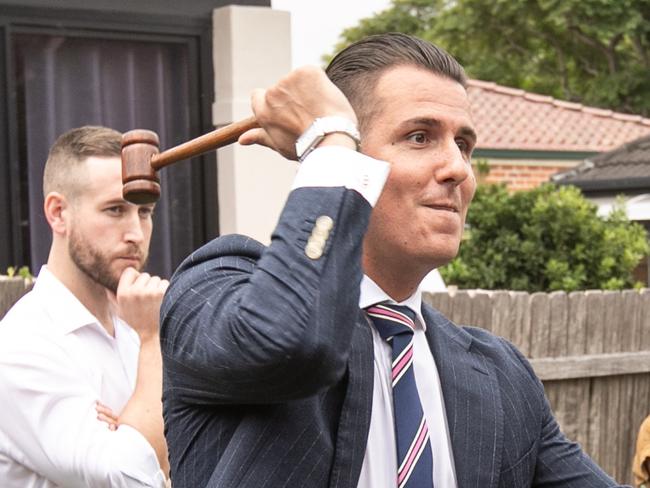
x: 212, y: 140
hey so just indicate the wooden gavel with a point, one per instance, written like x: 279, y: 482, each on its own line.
x: 141, y: 158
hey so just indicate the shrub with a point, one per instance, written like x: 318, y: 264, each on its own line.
x: 548, y: 238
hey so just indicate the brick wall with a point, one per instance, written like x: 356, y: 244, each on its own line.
x: 520, y: 177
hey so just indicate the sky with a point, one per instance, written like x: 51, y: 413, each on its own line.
x: 316, y: 24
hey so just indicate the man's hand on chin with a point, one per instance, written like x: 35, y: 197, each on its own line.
x: 138, y: 300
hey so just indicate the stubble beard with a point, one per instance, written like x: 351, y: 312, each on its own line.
x: 94, y: 264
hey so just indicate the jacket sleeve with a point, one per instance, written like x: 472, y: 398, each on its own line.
x: 560, y: 462
x: 241, y: 323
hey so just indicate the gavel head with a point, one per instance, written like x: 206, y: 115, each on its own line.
x: 140, y: 181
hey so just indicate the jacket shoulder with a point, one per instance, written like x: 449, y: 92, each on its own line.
x: 231, y: 245
x: 500, y: 350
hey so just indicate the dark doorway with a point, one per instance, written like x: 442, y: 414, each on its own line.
x: 65, y: 78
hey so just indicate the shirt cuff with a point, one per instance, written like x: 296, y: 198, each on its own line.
x: 331, y: 166
x: 138, y: 461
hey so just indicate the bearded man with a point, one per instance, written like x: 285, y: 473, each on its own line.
x: 80, y: 365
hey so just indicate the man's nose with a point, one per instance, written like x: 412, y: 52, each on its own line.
x: 133, y: 231
x: 454, y: 166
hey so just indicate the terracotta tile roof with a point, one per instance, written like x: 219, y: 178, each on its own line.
x: 627, y: 166
x: 508, y: 118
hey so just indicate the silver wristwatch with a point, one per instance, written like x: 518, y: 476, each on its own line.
x: 322, y: 126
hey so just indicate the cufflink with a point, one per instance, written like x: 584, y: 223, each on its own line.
x: 318, y: 238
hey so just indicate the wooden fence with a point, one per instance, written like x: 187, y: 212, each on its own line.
x: 11, y: 289
x: 590, y: 349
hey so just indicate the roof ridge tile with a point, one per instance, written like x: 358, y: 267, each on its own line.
x: 603, y: 112
x: 567, y: 104
x: 627, y: 117
x: 481, y: 83
x: 534, y: 97
x: 509, y: 91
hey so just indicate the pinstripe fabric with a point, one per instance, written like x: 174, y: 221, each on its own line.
x: 268, y: 364
x: 395, y: 324
x: 258, y: 391
x: 502, y: 430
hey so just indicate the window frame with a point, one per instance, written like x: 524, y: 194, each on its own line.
x: 195, y: 32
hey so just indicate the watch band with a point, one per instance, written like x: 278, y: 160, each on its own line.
x: 321, y: 127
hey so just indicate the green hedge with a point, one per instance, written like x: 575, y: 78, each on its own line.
x: 548, y: 238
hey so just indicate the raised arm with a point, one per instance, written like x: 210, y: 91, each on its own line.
x: 248, y: 324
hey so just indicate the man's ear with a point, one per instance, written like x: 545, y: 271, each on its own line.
x: 55, y: 207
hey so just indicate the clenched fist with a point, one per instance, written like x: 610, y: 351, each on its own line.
x: 286, y: 110
x: 138, y: 300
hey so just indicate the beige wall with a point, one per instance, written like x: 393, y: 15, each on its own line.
x: 252, y: 49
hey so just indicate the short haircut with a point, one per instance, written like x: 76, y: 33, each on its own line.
x: 357, y: 68
x: 63, y: 168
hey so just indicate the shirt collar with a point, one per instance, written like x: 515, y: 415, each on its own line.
x: 65, y: 309
x: 371, y: 294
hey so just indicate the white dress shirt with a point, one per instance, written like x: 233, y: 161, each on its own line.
x: 337, y: 166
x: 56, y: 361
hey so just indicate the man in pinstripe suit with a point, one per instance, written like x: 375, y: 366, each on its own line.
x: 273, y: 373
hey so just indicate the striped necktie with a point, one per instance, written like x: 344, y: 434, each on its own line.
x: 396, y: 325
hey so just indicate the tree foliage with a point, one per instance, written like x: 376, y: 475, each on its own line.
x: 596, y: 52
x: 548, y: 238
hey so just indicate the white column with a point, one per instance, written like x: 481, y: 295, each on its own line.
x: 252, y: 49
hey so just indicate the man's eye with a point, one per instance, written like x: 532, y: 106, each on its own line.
x: 117, y: 210
x: 418, y: 138
x: 145, y: 212
x: 463, y: 145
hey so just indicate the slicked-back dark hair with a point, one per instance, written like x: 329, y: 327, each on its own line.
x: 356, y: 69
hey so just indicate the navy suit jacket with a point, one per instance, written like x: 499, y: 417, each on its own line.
x: 268, y: 370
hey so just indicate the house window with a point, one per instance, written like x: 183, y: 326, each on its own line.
x: 65, y: 78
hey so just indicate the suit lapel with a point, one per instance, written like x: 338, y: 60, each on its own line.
x: 354, y: 422
x: 472, y: 402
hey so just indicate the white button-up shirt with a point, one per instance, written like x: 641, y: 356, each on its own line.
x: 56, y: 361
